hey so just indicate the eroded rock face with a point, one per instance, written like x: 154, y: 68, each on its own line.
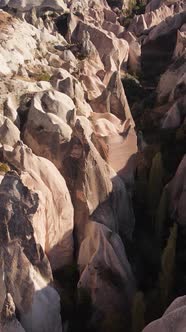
x: 175, y: 117
x: 105, y: 267
x: 172, y: 82
x: 87, y: 176
x: 155, y: 4
x: 53, y: 217
x: 153, y: 48
x: 99, y: 23
x: 174, y: 317
x: 47, y: 129
x: 113, y: 99
x: 9, y: 323
x: 134, y: 61
x: 10, y: 39
x: 108, y: 54
x: 26, y: 272
x: 176, y: 188
x: 64, y: 82
x: 27, y: 5
x: 181, y: 42
x: 67, y: 99
x: 28, y: 60
x: 146, y: 21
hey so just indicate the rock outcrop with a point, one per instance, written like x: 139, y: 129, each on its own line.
x: 173, y: 318
x: 61, y: 93
x: 70, y: 169
x: 146, y: 21
x: 9, y: 133
x: 54, y: 208
x: 158, y: 47
x: 27, y: 5
x: 26, y: 273
x: 176, y: 194
x: 104, y: 267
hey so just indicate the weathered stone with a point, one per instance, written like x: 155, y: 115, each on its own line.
x: 9, y: 133
x: 158, y: 47
x: 174, y: 317
x: 26, y: 270
x: 101, y: 256
x: 52, y: 221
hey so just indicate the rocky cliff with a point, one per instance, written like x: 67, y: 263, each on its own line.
x: 92, y: 165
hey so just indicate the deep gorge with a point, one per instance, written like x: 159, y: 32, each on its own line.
x: 92, y: 166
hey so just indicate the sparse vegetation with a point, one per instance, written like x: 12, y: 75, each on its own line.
x: 136, y: 7
x: 40, y: 76
x: 133, y: 89
x: 4, y: 168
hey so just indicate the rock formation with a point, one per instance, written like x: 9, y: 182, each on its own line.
x: 76, y: 186
x: 173, y: 318
x: 26, y: 272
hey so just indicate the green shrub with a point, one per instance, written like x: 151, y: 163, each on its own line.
x: 127, y: 22
x: 135, y: 7
x: 41, y: 76
x: 4, y: 168
x: 44, y: 76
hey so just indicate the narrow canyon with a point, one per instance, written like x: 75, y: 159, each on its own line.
x: 92, y: 165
